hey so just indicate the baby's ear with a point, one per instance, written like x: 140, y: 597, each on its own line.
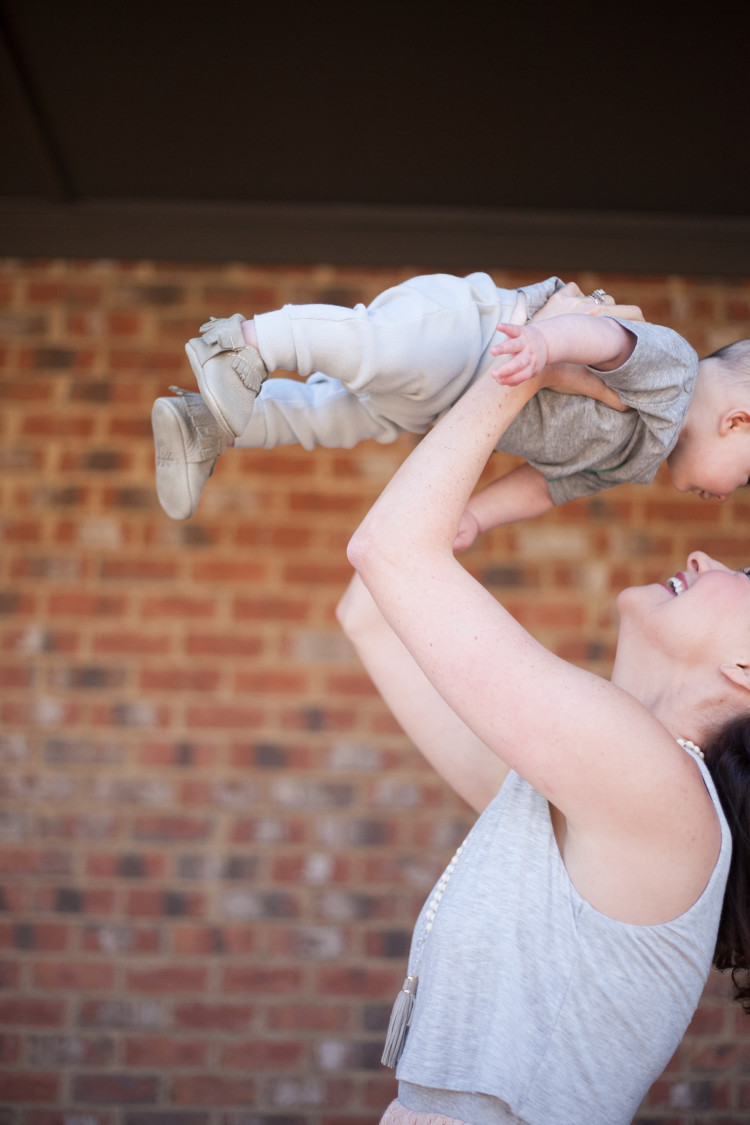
x: 739, y: 674
x: 738, y: 418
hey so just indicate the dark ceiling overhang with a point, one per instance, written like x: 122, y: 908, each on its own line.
x: 546, y: 137
x: 428, y: 237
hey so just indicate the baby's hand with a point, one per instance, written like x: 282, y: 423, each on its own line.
x: 527, y: 350
x: 467, y: 532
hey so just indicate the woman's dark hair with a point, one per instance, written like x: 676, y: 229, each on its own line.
x: 728, y: 760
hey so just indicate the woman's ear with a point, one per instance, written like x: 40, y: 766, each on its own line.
x: 739, y: 674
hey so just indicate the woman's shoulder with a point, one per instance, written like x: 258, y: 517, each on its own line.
x: 655, y: 869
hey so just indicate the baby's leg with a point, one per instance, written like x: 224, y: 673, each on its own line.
x: 419, y: 339
x: 411, y: 352
x: 319, y: 411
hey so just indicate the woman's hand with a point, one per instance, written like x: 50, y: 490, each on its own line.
x: 571, y: 299
x: 572, y: 379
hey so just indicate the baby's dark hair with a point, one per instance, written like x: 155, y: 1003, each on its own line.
x: 735, y: 358
x: 728, y: 760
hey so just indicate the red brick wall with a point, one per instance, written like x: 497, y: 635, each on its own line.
x: 213, y: 839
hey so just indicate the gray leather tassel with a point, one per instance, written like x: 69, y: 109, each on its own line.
x: 399, y: 1023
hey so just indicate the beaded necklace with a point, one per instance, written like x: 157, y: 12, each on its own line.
x: 686, y: 744
x: 398, y: 1025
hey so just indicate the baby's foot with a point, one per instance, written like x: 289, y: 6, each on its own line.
x: 229, y: 372
x: 188, y: 440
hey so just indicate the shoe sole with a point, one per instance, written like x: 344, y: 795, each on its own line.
x: 205, y: 391
x: 170, y: 421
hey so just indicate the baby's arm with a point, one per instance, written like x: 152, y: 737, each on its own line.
x: 599, y: 342
x: 522, y: 494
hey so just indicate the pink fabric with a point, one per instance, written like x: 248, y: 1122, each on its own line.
x: 397, y: 1114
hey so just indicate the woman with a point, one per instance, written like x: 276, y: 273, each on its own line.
x: 562, y: 955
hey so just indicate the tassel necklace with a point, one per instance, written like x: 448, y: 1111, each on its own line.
x: 401, y: 1014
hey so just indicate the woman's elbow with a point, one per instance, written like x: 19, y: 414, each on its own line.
x: 356, y: 612
x: 361, y: 549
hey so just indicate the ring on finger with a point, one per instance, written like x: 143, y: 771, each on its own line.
x: 598, y: 295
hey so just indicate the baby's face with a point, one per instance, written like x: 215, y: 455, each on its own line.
x: 711, y: 467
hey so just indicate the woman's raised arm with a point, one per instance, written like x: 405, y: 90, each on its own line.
x: 446, y: 742
x: 582, y: 742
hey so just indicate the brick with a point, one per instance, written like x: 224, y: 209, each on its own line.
x: 359, y: 981
x: 309, y: 1092
x: 31, y: 1012
x: 267, y: 683
x: 311, y: 1017
x: 22, y: 531
x: 178, y: 606
x: 227, y: 571
x: 224, y: 718
x: 263, y: 1055
x: 131, y: 1013
x: 55, y: 425
x: 241, y: 903
x: 270, y: 609
x: 181, y: 754
x: 10, y: 974
x: 234, y: 793
x: 35, y: 862
x: 73, y: 900
x: 12, y: 899
x: 214, y: 1016
x: 259, y: 980
x: 136, y: 570
x: 336, y: 576
x: 222, y: 645
x: 120, y: 938
x: 138, y: 643
x: 230, y: 939
x: 88, y: 976
x: 169, y: 979
x: 59, y: 751
x: 348, y: 1054
x: 168, y: 1117
x: 40, y: 936
x: 115, y: 1089
x: 80, y: 826
x: 90, y: 677
x: 165, y: 1052
x: 315, y: 868
x: 82, y: 604
x: 10, y: 1050
x: 165, y: 903
x: 211, y: 1090
x: 270, y: 755
x: 166, y: 828
x: 63, y: 292
x: 29, y: 1086
x: 133, y: 865
x: 69, y: 1050
x: 178, y: 679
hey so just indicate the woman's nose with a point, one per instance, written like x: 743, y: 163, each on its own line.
x: 699, y: 562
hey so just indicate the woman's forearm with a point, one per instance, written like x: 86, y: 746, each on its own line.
x: 420, y: 509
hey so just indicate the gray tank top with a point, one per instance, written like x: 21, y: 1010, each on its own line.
x: 532, y: 1006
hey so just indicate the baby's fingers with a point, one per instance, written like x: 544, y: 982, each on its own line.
x: 510, y: 375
